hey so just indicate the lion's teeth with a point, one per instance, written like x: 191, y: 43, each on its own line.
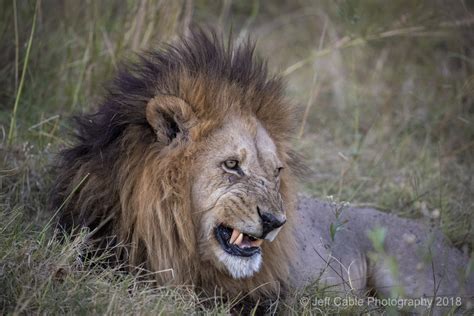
x: 257, y: 243
x: 239, y: 239
x: 235, y: 234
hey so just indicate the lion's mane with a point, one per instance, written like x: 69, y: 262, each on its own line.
x: 131, y: 190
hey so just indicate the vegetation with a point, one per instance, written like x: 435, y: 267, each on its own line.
x: 385, y: 89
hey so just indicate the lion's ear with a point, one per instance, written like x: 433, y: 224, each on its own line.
x: 169, y: 116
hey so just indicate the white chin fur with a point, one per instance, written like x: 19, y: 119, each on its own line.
x: 241, y: 267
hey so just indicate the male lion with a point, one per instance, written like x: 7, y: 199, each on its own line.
x: 187, y: 165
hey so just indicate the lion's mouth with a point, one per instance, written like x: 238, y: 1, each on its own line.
x: 237, y: 243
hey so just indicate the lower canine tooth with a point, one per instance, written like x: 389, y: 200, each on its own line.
x: 257, y: 243
x: 239, y: 239
x: 235, y: 234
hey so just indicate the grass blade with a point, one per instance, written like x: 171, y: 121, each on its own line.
x: 11, y: 130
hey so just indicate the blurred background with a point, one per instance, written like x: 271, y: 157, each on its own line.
x: 384, y: 89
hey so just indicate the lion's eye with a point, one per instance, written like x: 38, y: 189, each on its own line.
x: 231, y: 164
x: 278, y: 171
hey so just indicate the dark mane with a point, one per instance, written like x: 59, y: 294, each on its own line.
x: 156, y: 73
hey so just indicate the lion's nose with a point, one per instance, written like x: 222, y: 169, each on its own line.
x: 270, y: 222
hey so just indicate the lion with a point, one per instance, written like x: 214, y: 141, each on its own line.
x: 187, y: 164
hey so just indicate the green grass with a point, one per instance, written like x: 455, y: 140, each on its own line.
x: 385, y: 92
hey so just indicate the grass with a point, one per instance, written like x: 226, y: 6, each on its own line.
x: 22, y: 80
x: 387, y: 110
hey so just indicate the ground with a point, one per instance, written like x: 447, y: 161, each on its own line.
x: 386, y: 103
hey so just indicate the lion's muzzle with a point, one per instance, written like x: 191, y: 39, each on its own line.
x: 237, y: 243
x: 270, y: 223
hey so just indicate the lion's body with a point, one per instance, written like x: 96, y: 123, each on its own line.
x: 416, y: 261
x: 185, y: 150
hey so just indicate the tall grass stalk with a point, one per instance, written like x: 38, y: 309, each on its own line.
x: 12, y: 128
x: 47, y: 226
x: 17, y: 43
x: 348, y: 42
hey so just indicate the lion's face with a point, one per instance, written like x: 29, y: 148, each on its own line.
x: 236, y: 196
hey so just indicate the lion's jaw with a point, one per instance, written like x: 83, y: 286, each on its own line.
x: 233, y: 206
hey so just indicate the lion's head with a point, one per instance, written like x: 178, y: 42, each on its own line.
x: 187, y: 164
x: 236, y: 192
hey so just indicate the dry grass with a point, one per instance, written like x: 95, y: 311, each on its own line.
x: 387, y: 110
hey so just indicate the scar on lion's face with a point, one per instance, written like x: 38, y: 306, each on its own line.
x: 238, y: 201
